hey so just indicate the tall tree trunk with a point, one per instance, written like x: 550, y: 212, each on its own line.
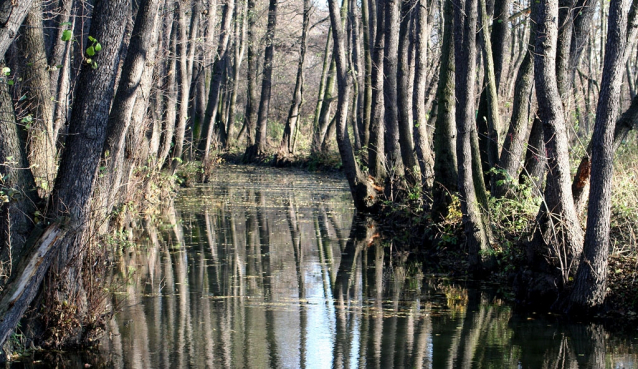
x: 422, y: 144
x: 169, y: 101
x: 251, y: 95
x: 405, y: 89
x: 445, y: 161
x: 491, y: 91
x: 558, y: 240
x: 376, y: 147
x: 41, y: 148
x: 499, y: 38
x: 259, y: 148
x: 367, y: 84
x: 286, y: 147
x: 59, y: 63
x: 141, y: 52
x: 79, y: 165
x: 12, y: 14
x: 591, y: 279
x: 216, y: 82
x: 390, y: 69
x: 362, y: 192
x: 238, y: 56
x: 317, y: 126
x: 476, y: 231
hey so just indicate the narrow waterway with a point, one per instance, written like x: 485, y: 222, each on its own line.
x: 271, y: 269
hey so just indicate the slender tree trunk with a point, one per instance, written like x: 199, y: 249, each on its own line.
x: 59, y: 63
x: 238, y: 55
x: 376, y: 147
x: 422, y: 144
x: 362, y: 192
x: 558, y: 240
x: 476, y: 231
x: 216, y: 82
x: 318, y: 131
x: 261, y: 142
x: 390, y: 68
x: 445, y: 161
x: 367, y: 84
x: 251, y: 96
x: 405, y: 89
x: 591, y: 279
x: 286, y: 147
x: 169, y: 102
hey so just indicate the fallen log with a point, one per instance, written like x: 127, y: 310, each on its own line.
x: 19, y: 294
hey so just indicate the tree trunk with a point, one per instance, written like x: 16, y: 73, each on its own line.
x: 216, y: 82
x: 41, y: 148
x: 362, y: 192
x: 512, y: 152
x: 318, y: 132
x: 251, y: 95
x: 12, y: 14
x: 390, y: 68
x: 445, y: 161
x: 422, y: 144
x: 376, y: 147
x: 476, y: 232
x: 286, y: 147
x: 261, y: 142
x: 558, y: 239
x: 591, y: 280
x: 169, y: 102
x: 59, y: 62
x: 367, y: 84
x: 405, y: 86
x: 499, y: 38
x: 79, y: 166
x: 238, y: 56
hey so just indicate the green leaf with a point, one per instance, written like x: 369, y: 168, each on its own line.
x: 10, y: 82
x: 6, y: 71
x: 90, y: 51
x: 98, y: 47
x: 94, y: 65
x: 66, y: 35
x: 66, y: 24
x: 92, y: 39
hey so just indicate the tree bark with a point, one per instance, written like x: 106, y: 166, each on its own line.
x: 216, y: 82
x: 405, y: 93
x: 421, y: 140
x: 362, y: 192
x: 376, y: 147
x: 286, y: 147
x: 476, y: 232
x: 261, y: 139
x: 41, y: 148
x: 12, y: 14
x: 183, y: 84
x: 390, y: 69
x: 251, y: 96
x: 558, y: 239
x: 445, y: 161
x: 591, y: 279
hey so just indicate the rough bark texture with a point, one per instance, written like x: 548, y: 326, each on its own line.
x: 405, y: 92
x: 511, y: 155
x: 591, y: 280
x: 476, y: 234
x: 12, y: 14
x: 376, y: 148
x: 421, y: 140
x: 251, y: 98
x: 261, y: 140
x: 558, y: 239
x: 216, y: 82
x: 17, y: 188
x: 79, y: 164
x: 390, y: 86
x: 445, y: 166
x: 362, y: 192
x: 184, y: 82
x: 41, y: 148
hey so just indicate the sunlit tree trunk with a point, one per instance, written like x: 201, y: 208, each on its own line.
x: 390, y: 69
x: 405, y: 93
x: 261, y: 139
x: 591, y: 280
x: 376, y: 146
x: 476, y: 231
x: 251, y: 95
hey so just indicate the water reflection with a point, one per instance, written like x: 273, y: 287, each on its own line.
x: 274, y: 271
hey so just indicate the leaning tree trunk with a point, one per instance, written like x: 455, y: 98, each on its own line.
x: 558, y: 239
x: 72, y: 192
x: 259, y: 148
x: 363, y: 193
x: 591, y: 280
x: 476, y: 231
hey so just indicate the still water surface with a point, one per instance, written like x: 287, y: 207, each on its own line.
x: 271, y: 269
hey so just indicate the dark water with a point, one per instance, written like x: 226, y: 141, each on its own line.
x: 263, y: 270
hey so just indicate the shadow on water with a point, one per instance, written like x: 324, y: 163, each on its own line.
x: 263, y: 270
